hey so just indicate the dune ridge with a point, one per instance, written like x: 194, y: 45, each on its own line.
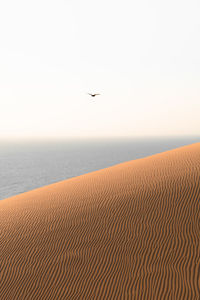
x: 131, y: 231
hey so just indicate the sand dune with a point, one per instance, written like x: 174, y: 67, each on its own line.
x: 131, y: 231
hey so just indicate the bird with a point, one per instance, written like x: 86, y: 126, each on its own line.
x: 93, y: 95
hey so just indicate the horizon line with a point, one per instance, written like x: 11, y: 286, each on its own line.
x: 49, y: 138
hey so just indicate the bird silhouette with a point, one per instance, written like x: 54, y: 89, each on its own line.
x: 93, y: 95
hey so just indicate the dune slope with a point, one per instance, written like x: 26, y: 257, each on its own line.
x: 131, y: 231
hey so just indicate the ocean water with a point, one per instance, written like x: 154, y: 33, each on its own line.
x: 28, y: 165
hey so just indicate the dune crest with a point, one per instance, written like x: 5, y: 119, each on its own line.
x: 126, y: 232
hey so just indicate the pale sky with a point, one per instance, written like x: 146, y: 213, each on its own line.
x: 142, y: 56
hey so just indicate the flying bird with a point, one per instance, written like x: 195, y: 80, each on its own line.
x: 93, y: 95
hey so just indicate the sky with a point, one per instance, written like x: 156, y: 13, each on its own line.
x: 141, y: 56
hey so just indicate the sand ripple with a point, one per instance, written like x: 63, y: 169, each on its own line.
x: 131, y: 231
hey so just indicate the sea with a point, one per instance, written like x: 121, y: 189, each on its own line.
x: 27, y: 165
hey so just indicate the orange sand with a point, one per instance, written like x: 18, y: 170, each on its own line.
x: 131, y: 231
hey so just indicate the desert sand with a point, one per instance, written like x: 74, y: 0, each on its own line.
x: 131, y: 231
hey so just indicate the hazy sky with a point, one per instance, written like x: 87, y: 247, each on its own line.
x: 142, y: 56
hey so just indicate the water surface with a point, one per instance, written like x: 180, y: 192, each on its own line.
x: 28, y: 165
